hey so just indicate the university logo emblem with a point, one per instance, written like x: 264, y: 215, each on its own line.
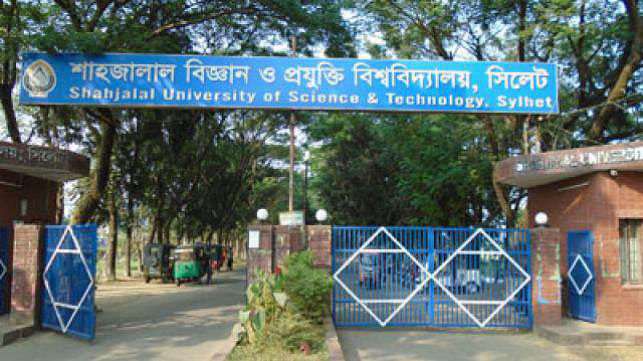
x: 39, y: 79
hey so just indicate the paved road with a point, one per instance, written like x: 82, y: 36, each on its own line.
x: 147, y: 322
x: 440, y: 346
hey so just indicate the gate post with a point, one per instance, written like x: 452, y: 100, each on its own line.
x: 319, y: 242
x: 27, y: 272
x: 260, y: 258
x: 546, y: 281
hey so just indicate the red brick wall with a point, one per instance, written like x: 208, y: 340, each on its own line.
x: 260, y: 259
x: 277, y: 242
x: 319, y: 242
x: 598, y: 207
x: 27, y: 270
x: 546, y: 295
x: 39, y: 193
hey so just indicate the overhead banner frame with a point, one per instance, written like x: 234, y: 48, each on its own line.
x: 197, y: 81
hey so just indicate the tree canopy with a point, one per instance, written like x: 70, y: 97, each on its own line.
x: 195, y: 174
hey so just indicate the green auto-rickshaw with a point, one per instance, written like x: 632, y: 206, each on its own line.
x: 157, y: 261
x: 190, y: 263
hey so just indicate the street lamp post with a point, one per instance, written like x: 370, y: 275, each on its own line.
x: 306, y: 158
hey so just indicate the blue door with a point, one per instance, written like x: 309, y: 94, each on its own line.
x: 69, y: 280
x: 4, y: 270
x: 581, y: 276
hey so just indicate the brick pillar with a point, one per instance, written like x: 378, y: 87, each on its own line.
x: 27, y: 269
x: 546, y: 278
x: 261, y: 259
x: 319, y: 244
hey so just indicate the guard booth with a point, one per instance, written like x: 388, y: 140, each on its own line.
x: 594, y: 195
x: 31, y: 179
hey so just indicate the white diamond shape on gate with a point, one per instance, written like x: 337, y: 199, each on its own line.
x: 401, y: 249
x: 78, y: 251
x: 590, y: 276
x: 3, y: 269
x: 500, y: 251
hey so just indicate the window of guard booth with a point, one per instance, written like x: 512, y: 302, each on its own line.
x: 631, y: 234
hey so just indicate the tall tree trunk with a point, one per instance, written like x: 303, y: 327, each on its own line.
x: 60, y: 203
x: 113, y: 238
x: 153, y: 231
x: 139, y: 250
x: 9, y: 112
x: 128, y: 240
x: 99, y: 176
x: 168, y: 227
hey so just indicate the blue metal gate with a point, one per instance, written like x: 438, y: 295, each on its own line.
x: 580, y: 261
x: 433, y: 277
x: 4, y: 270
x: 68, y: 280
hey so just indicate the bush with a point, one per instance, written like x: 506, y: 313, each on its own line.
x: 307, y: 287
x: 271, y: 320
x: 285, y: 312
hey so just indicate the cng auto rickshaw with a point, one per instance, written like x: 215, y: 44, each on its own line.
x: 216, y: 256
x: 157, y: 261
x: 190, y: 263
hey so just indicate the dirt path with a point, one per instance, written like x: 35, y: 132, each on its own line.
x: 147, y: 322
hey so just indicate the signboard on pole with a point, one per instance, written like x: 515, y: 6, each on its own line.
x: 193, y: 81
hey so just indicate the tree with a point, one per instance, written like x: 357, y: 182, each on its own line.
x: 391, y: 169
x: 597, y: 44
x: 19, y: 22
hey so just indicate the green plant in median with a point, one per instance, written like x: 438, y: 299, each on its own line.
x: 265, y: 304
x: 308, y: 287
x: 285, y: 312
x: 270, y: 319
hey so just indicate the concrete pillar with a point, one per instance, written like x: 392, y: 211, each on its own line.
x: 27, y: 272
x: 546, y: 277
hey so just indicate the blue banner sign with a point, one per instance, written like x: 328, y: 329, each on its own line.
x: 153, y: 80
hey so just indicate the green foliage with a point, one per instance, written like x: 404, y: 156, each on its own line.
x: 308, y: 287
x: 262, y: 307
x: 433, y: 170
x: 271, y: 318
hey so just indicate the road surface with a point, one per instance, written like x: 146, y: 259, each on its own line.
x: 147, y: 322
x: 407, y: 345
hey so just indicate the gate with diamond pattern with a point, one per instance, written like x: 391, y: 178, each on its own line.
x: 68, y: 280
x: 4, y: 271
x: 581, y: 293
x: 433, y: 277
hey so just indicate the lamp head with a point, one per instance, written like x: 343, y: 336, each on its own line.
x: 321, y: 215
x: 262, y: 214
x: 541, y: 219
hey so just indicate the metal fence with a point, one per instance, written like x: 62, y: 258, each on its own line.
x: 431, y: 277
